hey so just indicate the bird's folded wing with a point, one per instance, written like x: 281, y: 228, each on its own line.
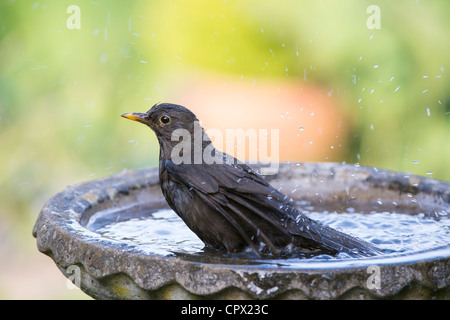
x: 241, y: 186
x: 209, y: 178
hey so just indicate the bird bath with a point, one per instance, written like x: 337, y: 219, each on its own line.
x: 116, y: 238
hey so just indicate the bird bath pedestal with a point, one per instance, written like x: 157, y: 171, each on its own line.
x: 106, y: 268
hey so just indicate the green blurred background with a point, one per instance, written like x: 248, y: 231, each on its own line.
x: 62, y: 91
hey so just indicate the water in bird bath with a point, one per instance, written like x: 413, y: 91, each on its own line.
x: 163, y: 232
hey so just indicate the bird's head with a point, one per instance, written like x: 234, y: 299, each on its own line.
x: 164, y: 119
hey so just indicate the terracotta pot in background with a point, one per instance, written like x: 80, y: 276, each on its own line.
x: 312, y: 126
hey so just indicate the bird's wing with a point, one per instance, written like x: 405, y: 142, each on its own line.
x: 248, y: 199
x: 209, y: 178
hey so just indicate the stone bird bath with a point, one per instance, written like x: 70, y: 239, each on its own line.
x: 70, y: 229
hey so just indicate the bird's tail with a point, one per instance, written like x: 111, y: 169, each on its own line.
x: 328, y: 239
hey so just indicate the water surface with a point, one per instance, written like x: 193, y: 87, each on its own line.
x: 163, y: 232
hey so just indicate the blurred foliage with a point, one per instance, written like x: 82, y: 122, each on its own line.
x: 62, y: 90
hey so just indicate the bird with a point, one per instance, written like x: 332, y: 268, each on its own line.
x: 226, y: 203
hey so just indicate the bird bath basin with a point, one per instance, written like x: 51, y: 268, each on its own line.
x: 117, y: 239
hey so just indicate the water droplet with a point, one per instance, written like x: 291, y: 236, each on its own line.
x: 371, y: 126
x: 429, y: 172
x: 375, y: 66
x: 391, y: 78
x: 371, y: 36
x: 372, y: 90
x: 415, y: 161
x: 396, y: 89
x: 310, y: 142
x: 428, y: 111
x: 104, y: 58
x: 359, y: 100
x: 424, y: 90
x: 312, y: 113
x: 301, y: 128
x: 424, y: 76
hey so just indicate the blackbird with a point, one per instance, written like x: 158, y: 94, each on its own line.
x: 229, y: 206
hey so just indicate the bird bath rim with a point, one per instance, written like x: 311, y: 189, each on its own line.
x: 62, y: 234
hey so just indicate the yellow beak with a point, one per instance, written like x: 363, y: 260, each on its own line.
x: 140, y: 117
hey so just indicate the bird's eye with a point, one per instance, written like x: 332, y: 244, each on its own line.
x: 164, y: 119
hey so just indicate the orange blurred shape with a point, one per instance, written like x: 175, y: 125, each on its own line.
x: 311, y: 125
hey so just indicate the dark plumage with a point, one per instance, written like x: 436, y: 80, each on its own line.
x: 228, y: 205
